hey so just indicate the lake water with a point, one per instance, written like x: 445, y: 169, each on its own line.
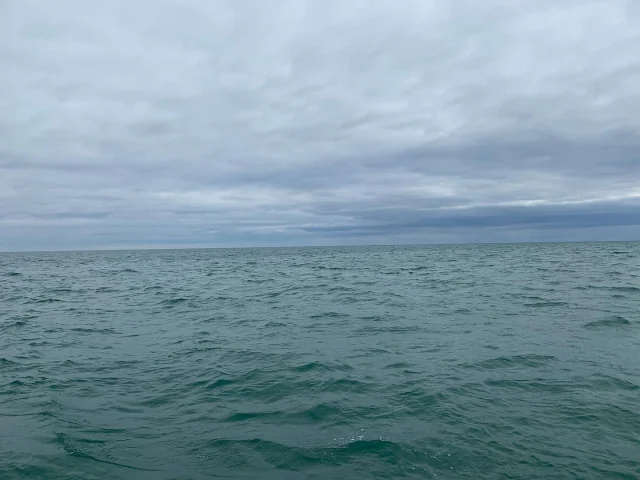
x: 471, y: 362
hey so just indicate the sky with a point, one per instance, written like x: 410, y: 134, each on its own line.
x: 158, y: 123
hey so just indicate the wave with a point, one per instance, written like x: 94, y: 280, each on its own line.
x: 221, y: 382
x: 328, y: 315
x: 69, y: 445
x: 62, y: 290
x: 45, y: 300
x: 259, y: 281
x: 124, y: 270
x: 531, y: 361
x: 407, y: 461
x: 259, y: 385
x: 543, y: 302
x: 274, y: 324
x: 106, y: 290
x: 94, y: 330
x: 16, y: 324
x: 173, y: 301
x: 546, y: 304
x: 628, y: 289
x: 624, y: 289
x: 318, y: 366
x: 609, y: 382
x: 397, y: 365
x: 321, y: 412
x: 609, y: 322
x: 418, y: 401
x: 534, y: 385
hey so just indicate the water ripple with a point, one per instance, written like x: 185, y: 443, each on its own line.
x: 478, y: 361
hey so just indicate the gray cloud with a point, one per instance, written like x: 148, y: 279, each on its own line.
x: 313, y: 122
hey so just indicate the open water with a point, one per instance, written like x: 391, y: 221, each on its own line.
x: 470, y: 362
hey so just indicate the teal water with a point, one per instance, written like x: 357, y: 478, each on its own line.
x: 471, y: 362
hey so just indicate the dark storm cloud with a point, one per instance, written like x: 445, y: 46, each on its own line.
x: 308, y: 122
x: 543, y: 217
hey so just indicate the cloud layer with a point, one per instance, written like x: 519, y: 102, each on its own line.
x: 177, y: 123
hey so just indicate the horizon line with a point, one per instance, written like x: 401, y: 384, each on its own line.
x: 133, y: 249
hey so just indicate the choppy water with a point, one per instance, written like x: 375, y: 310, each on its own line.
x: 485, y: 361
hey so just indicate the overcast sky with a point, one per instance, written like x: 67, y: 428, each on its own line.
x: 155, y: 123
